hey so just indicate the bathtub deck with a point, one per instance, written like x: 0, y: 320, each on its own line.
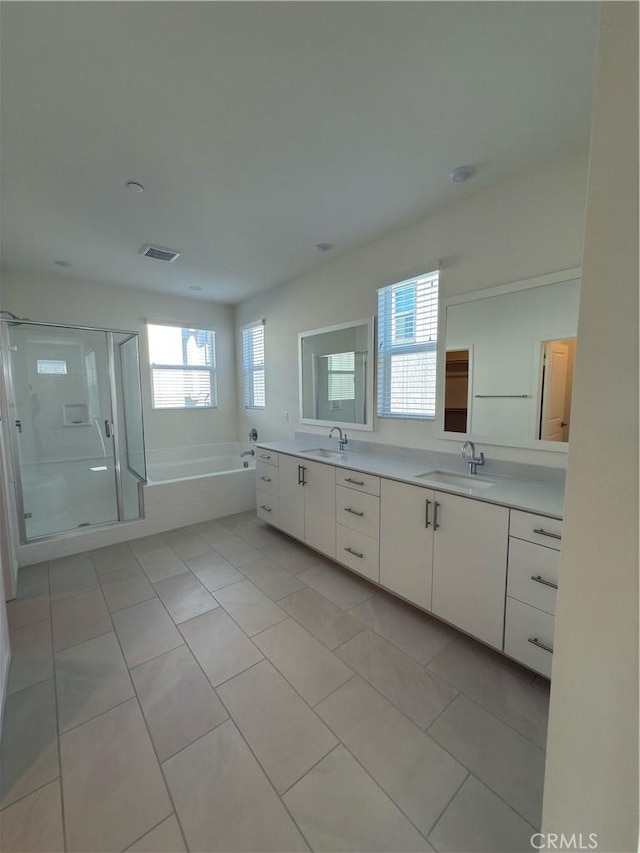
x: 221, y: 687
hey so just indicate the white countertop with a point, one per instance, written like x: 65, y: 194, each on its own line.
x: 545, y: 498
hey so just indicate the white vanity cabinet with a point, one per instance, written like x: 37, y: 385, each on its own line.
x: 358, y: 522
x: 470, y: 565
x: 406, y: 541
x: 307, y: 502
x: 534, y: 557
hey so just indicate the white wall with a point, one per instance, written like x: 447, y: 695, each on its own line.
x: 592, y: 759
x: 59, y: 299
x: 531, y: 225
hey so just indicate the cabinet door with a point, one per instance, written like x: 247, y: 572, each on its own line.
x: 406, y: 542
x: 470, y: 566
x: 291, y: 496
x: 319, y: 507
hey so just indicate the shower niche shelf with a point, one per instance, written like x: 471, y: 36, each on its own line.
x: 75, y: 414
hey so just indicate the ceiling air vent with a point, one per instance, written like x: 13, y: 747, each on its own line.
x: 160, y: 253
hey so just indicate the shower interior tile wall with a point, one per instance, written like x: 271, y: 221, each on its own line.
x: 163, y: 687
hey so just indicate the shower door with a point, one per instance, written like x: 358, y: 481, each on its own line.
x: 65, y: 444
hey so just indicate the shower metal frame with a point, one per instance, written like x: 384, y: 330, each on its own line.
x: 8, y: 394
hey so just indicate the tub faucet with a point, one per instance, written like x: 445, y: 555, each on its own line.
x: 248, y: 453
x: 342, y: 441
x: 473, y: 460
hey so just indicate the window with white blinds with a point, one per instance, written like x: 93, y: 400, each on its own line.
x: 407, y: 340
x: 183, y: 367
x: 341, y: 376
x: 253, y: 366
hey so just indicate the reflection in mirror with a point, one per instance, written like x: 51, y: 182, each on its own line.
x: 556, y: 383
x: 509, y: 362
x: 456, y: 390
x: 335, y: 375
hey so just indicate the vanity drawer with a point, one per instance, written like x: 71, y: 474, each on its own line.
x: 533, y: 574
x: 356, y: 480
x: 526, y: 631
x: 359, y: 552
x: 267, y: 506
x: 266, y: 456
x: 267, y: 477
x: 536, y: 528
x: 358, y: 510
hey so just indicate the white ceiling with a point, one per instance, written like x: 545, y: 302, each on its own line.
x: 261, y: 129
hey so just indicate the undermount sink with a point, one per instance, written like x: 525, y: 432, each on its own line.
x: 462, y: 481
x: 326, y: 454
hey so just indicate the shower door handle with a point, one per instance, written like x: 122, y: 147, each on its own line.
x: 108, y: 429
x: 19, y: 426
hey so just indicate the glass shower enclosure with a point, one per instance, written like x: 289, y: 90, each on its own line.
x: 74, y: 406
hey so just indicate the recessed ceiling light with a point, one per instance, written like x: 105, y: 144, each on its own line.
x: 135, y: 187
x: 62, y: 263
x: 324, y: 247
x: 194, y: 287
x: 462, y: 173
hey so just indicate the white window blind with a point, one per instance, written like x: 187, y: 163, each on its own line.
x: 407, y: 340
x: 253, y: 366
x: 183, y: 367
x: 341, y: 372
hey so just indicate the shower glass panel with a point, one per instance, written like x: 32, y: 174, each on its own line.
x: 66, y: 392
x: 133, y: 466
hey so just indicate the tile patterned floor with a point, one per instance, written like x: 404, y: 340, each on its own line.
x: 223, y: 688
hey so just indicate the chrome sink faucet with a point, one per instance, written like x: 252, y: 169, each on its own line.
x: 342, y: 441
x: 473, y: 460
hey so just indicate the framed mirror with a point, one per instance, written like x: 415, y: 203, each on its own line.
x: 335, y: 375
x: 506, y: 363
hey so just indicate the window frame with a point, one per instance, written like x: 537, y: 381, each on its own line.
x: 211, y: 370
x: 250, y: 370
x: 386, y: 348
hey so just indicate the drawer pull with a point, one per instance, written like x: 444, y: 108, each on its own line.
x: 540, y: 579
x: 354, y: 512
x: 265, y: 508
x: 355, y: 482
x: 542, y: 532
x: 264, y: 456
x: 355, y: 553
x: 266, y: 479
x: 536, y: 642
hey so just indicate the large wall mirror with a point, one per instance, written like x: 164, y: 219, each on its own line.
x: 506, y: 362
x: 335, y: 373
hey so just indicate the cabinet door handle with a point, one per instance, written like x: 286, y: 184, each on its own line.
x: 355, y: 482
x: 264, y: 456
x: 265, y: 508
x: 354, y: 512
x: 542, y: 532
x: 301, y: 473
x: 436, y: 523
x: 536, y: 642
x: 426, y: 514
x: 540, y: 579
x: 266, y: 479
x: 355, y: 553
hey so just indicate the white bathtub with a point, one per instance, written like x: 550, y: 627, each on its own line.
x: 193, y: 484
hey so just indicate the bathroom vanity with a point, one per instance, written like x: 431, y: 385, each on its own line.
x: 480, y: 552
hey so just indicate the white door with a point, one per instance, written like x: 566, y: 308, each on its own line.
x: 470, y: 566
x: 291, y: 496
x: 406, y: 541
x: 320, y: 506
x: 554, y: 415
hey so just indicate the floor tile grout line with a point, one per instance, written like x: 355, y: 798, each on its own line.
x: 63, y: 815
x: 451, y: 799
x: 87, y: 640
x: 26, y: 796
x: 490, y: 712
x: 168, y: 817
x: 96, y: 716
x: 155, y: 752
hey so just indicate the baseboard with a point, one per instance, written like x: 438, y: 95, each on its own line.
x: 4, y: 684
